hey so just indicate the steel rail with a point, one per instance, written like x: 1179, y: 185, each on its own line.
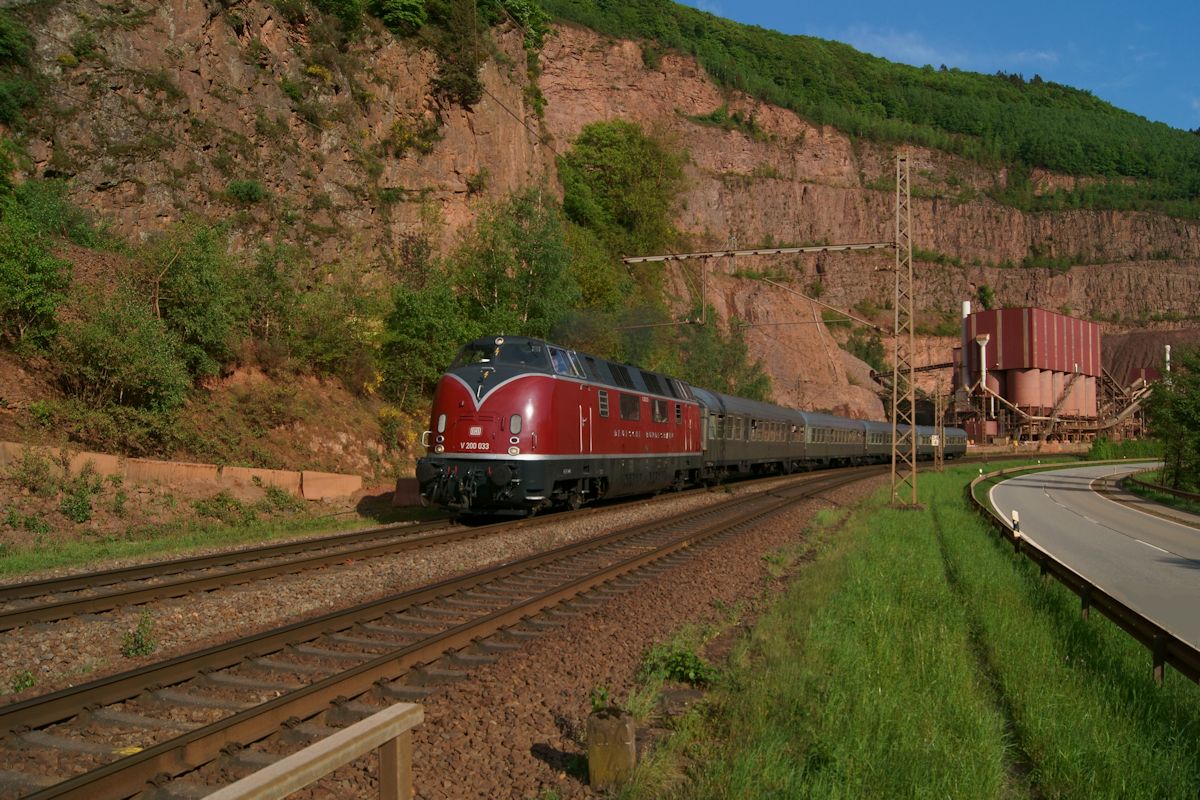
x: 1164, y: 646
x: 131, y: 774
x: 352, y: 546
x: 156, y: 569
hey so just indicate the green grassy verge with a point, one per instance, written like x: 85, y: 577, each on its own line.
x: 918, y: 657
x: 179, y: 539
x: 1155, y: 476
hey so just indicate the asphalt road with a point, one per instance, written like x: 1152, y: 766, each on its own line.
x: 1149, y: 563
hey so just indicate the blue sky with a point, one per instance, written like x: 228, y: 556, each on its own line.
x: 1143, y: 57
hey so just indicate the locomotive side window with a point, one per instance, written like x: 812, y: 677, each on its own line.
x: 660, y: 410
x: 514, y: 424
x: 678, y: 414
x: 602, y: 396
x: 631, y: 408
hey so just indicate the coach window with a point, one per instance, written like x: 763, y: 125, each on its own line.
x: 630, y: 407
x: 514, y: 424
x: 660, y: 410
x: 602, y: 396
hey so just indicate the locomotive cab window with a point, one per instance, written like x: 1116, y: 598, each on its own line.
x: 660, y: 410
x: 565, y: 363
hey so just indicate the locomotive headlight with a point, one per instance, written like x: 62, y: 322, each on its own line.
x: 514, y: 451
x: 439, y: 448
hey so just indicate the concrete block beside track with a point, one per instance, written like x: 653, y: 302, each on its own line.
x: 328, y: 485
x: 103, y: 463
x: 175, y: 473
x: 240, y: 481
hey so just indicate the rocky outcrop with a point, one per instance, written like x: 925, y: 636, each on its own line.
x: 178, y: 99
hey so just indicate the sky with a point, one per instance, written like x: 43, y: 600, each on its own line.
x: 1142, y: 57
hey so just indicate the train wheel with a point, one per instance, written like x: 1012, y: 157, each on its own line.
x: 574, y: 501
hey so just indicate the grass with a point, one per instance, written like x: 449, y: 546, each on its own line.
x: 918, y: 657
x: 176, y: 539
x: 1155, y: 477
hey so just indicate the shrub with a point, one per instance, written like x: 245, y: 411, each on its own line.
x: 33, y: 281
x: 246, y: 192
x: 121, y: 354
x: 34, y: 472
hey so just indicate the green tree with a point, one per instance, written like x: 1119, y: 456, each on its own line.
x: 720, y: 361
x: 33, y: 281
x: 402, y: 16
x: 423, y: 332
x: 622, y: 185
x: 188, y: 276
x: 513, y: 266
x: 1173, y: 412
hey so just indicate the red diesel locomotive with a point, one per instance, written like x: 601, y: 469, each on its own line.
x: 520, y: 424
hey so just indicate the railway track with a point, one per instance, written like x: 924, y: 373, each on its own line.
x: 216, y: 713
x: 52, y: 599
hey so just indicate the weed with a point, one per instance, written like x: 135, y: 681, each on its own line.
x: 226, y: 508
x: 139, y: 641
x: 118, y: 503
x: 600, y: 698
x: 22, y: 680
x: 673, y: 662
x: 278, y: 500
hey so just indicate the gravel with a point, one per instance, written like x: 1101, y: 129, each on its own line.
x: 510, y: 729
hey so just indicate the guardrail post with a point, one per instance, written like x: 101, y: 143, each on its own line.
x: 1016, y: 531
x: 1160, y: 658
x: 395, y: 768
x: 1085, y: 601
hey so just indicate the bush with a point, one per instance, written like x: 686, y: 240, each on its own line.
x: 46, y: 206
x: 34, y: 472
x: 121, y: 354
x: 33, y: 281
x: 246, y: 192
x: 190, y: 277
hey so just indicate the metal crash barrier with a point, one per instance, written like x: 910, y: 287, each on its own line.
x: 389, y: 730
x: 1164, y: 646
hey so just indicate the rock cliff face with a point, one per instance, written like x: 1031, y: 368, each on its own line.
x: 177, y: 99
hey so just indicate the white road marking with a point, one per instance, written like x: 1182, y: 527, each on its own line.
x: 1156, y: 547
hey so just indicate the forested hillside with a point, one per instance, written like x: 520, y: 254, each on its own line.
x: 1003, y: 118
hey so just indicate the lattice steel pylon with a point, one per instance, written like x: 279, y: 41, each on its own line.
x: 939, y: 424
x: 904, y: 401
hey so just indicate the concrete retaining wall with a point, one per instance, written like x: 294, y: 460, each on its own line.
x: 242, y: 482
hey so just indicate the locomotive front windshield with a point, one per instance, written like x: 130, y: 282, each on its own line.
x: 526, y: 354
